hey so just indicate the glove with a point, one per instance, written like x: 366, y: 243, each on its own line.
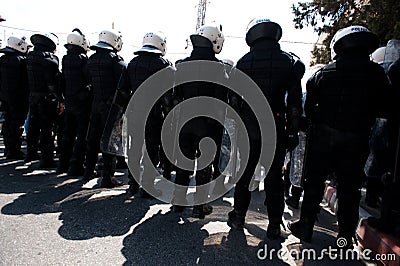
x: 292, y: 141
x: 61, y: 108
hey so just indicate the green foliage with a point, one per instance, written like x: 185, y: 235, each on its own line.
x: 328, y: 16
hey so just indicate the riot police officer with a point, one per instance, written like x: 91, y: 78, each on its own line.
x: 45, y: 97
x: 278, y: 75
x: 77, y: 104
x: 343, y: 100
x: 149, y: 60
x: 207, y: 42
x: 104, y: 69
x: 14, y: 94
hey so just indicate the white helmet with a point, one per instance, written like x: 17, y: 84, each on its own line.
x: 109, y: 40
x: 213, y: 34
x: 353, y: 37
x: 154, y: 42
x: 118, y: 47
x: 77, y: 38
x: 47, y: 39
x: 262, y: 28
x: 16, y: 44
x: 379, y: 55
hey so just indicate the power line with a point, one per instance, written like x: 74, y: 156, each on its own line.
x: 226, y: 36
x: 14, y: 28
x: 285, y: 41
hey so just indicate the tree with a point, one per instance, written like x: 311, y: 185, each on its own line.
x: 328, y: 16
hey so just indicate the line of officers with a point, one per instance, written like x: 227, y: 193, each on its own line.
x: 343, y: 100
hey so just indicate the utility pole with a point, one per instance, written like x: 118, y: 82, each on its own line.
x: 1, y: 20
x: 201, y: 13
x: 201, y: 17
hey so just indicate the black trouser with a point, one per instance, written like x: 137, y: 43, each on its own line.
x: 274, y: 187
x: 42, y: 116
x: 73, y: 146
x: 343, y: 153
x: 97, y: 124
x: 189, y: 139
x: 12, y: 131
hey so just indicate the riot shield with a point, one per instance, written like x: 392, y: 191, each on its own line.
x: 113, y: 140
x: 228, y: 148
x: 229, y: 161
x: 376, y: 164
x: 392, y: 53
x: 297, y: 158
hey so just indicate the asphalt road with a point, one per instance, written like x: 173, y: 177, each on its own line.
x: 47, y: 219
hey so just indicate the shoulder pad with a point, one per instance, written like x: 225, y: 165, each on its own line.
x: 181, y: 60
x: 166, y: 61
x: 299, y: 68
x: 116, y: 58
x: 298, y: 65
x: 289, y: 55
x: 330, y: 66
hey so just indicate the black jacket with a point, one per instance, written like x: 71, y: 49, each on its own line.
x: 194, y: 89
x: 104, y: 69
x: 14, y: 81
x: 278, y: 76
x: 139, y: 69
x: 43, y: 73
x: 348, y: 94
x: 76, y: 81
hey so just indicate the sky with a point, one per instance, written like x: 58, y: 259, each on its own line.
x: 176, y: 18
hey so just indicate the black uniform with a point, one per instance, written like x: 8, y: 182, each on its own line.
x: 277, y: 75
x: 104, y: 69
x: 139, y: 69
x: 343, y: 100
x: 14, y: 98
x: 45, y: 95
x: 77, y: 110
x: 200, y: 127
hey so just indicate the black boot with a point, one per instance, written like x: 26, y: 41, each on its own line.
x: 31, y: 157
x: 17, y: 155
x: 274, y: 230
x: 110, y: 182
x: 89, y: 175
x: 200, y: 211
x: 236, y: 220
x: 62, y: 168
x: 47, y: 162
x: 302, y: 229
x: 76, y: 170
x: 133, y: 187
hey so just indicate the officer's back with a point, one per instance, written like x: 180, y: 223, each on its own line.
x: 104, y: 68
x: 350, y: 93
x: 42, y: 66
x: 271, y: 69
x: 73, y: 68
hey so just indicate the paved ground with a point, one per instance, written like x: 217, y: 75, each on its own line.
x: 57, y: 220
